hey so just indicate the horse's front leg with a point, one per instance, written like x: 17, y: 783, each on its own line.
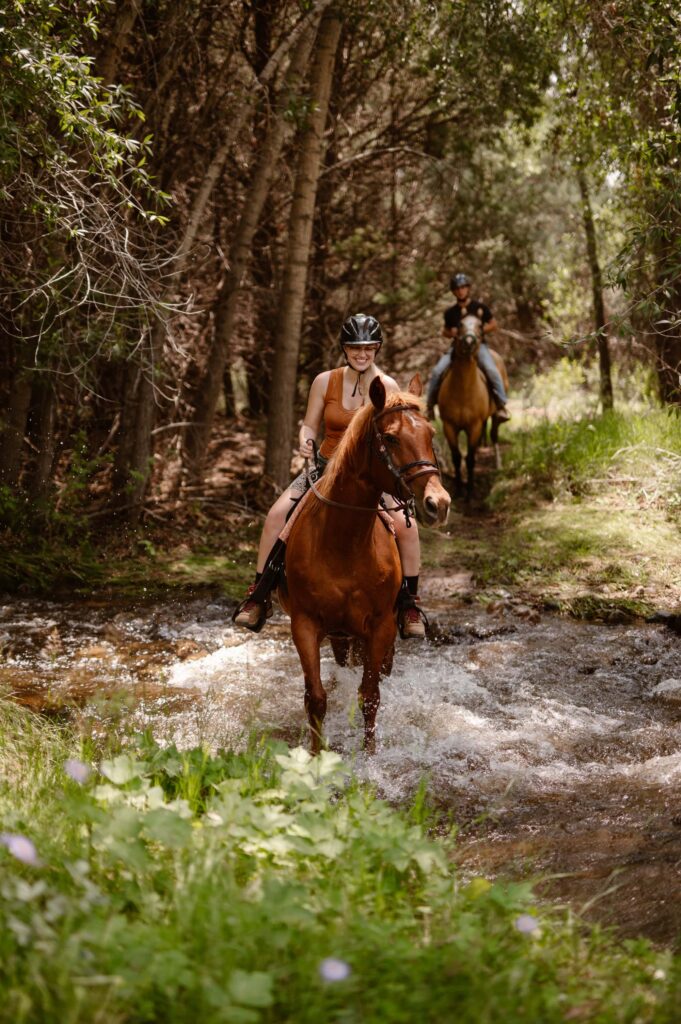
x: 470, y: 470
x: 377, y: 654
x: 307, y: 639
x: 456, y: 460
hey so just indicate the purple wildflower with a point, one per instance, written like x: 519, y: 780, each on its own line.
x: 21, y: 847
x: 333, y: 969
x: 77, y: 770
x: 526, y: 924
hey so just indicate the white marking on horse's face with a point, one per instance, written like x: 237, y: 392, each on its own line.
x: 410, y: 418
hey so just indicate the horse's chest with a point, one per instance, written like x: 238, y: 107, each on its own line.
x: 340, y: 582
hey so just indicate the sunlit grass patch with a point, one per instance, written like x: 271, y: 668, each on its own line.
x: 637, y: 454
x: 566, y: 550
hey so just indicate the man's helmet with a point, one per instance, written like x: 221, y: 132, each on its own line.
x: 360, y: 329
x: 459, y: 281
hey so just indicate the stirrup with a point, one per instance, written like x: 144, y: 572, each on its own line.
x: 266, y: 613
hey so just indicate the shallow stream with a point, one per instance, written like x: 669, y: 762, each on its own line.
x: 555, y: 745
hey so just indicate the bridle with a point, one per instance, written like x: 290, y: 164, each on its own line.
x: 405, y: 502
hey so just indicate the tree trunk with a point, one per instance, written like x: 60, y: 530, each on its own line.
x: 668, y: 351
x: 42, y: 432
x: 228, y: 394
x: 207, y: 392
x: 252, y: 89
x: 13, y: 427
x: 597, y: 291
x: 126, y: 15
x: 132, y: 466
x: 287, y: 338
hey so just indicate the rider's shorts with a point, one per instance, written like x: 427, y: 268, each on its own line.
x: 300, y: 485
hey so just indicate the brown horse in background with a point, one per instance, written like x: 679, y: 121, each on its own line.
x: 465, y: 401
x: 342, y: 564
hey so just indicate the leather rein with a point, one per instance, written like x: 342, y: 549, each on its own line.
x: 406, y: 504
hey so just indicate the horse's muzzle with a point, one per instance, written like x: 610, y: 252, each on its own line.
x: 435, y: 503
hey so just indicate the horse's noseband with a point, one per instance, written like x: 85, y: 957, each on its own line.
x: 408, y: 500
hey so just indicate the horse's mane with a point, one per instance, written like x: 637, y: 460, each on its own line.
x: 358, y: 432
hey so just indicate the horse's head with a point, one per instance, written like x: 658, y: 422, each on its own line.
x: 403, y: 443
x: 468, y: 337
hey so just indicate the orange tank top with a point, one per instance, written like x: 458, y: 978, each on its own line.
x: 336, y: 416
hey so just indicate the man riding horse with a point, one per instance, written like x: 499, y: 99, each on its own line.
x: 465, y: 306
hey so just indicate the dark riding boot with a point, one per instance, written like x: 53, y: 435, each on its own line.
x: 256, y: 607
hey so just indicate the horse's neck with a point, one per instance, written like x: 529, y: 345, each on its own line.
x: 356, y: 485
x: 465, y: 367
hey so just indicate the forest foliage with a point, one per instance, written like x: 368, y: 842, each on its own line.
x: 195, y: 194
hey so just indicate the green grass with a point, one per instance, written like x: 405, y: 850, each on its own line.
x: 585, y: 517
x: 187, y: 886
x: 146, y: 570
x: 632, y: 451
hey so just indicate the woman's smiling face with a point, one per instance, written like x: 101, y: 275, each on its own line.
x: 360, y: 357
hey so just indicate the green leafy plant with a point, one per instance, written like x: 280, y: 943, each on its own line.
x: 268, y: 886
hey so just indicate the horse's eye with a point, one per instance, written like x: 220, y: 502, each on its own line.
x: 391, y: 439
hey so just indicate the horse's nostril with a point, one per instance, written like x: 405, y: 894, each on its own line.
x: 431, y: 506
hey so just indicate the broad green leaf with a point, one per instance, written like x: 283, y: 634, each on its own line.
x: 166, y: 827
x: 251, y: 988
x: 120, y: 769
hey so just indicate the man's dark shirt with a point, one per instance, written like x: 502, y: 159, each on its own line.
x: 454, y: 315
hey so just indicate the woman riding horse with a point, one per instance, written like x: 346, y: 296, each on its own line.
x: 335, y: 396
x: 342, y: 566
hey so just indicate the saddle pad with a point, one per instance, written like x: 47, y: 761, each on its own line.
x: 385, y: 518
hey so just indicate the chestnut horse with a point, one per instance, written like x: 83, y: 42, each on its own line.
x: 342, y: 565
x: 465, y: 401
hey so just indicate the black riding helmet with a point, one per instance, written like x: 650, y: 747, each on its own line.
x: 361, y: 329
x: 459, y: 281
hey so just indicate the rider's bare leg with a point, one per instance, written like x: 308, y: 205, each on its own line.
x: 408, y: 544
x: 410, y: 618
x: 274, y: 524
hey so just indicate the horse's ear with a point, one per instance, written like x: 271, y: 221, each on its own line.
x: 377, y: 393
x: 415, y: 385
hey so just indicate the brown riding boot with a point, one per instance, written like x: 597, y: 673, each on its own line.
x: 502, y: 414
x: 253, y: 614
x: 411, y: 621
